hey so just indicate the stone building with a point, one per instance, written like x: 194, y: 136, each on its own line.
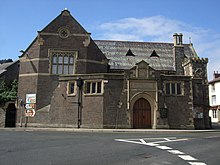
x: 81, y: 82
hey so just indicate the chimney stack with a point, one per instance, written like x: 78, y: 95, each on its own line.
x: 178, y: 39
x: 216, y: 75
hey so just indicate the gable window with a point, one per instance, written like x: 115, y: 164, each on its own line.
x: 93, y: 87
x: 71, y: 88
x: 63, y: 62
x: 173, y: 88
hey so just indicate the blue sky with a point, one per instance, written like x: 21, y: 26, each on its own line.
x: 136, y: 20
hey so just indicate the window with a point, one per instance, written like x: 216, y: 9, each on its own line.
x: 93, y: 87
x: 213, y: 87
x: 213, y: 99
x: 71, y: 88
x: 63, y: 62
x: 64, y: 32
x: 214, y: 113
x: 173, y: 88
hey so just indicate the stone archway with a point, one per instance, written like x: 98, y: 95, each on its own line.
x: 152, y: 106
x: 141, y: 114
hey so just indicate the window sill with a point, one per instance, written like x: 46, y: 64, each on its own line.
x: 71, y: 95
x: 93, y: 95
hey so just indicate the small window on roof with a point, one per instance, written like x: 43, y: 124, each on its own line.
x: 154, y: 54
x: 129, y: 53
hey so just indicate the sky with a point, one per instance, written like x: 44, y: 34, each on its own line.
x: 132, y: 20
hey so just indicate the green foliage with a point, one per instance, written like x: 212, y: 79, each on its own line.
x: 8, y: 93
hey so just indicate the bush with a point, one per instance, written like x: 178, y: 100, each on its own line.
x: 8, y: 93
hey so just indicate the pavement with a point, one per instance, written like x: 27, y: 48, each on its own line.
x: 216, y: 128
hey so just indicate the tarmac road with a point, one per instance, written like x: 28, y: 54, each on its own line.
x: 37, y: 147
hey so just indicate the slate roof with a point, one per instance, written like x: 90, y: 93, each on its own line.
x: 116, y: 52
x: 3, y: 67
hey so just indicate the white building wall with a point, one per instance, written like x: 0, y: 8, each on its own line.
x: 214, y: 91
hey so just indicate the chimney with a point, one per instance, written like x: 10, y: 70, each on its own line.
x: 178, y: 52
x: 178, y: 39
x: 216, y: 75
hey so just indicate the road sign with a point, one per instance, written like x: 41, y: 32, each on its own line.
x: 30, y: 106
x: 29, y: 112
x: 30, y: 98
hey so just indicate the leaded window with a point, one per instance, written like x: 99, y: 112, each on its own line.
x: 173, y: 88
x: 63, y: 62
x: 93, y: 87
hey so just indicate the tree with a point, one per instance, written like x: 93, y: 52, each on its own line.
x: 8, y: 93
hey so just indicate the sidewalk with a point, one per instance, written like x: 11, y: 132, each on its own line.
x: 107, y: 130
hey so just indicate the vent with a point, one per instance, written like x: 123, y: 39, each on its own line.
x: 154, y: 54
x: 129, y: 53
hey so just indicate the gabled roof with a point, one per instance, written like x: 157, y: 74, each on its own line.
x: 116, y: 51
x: 65, y: 19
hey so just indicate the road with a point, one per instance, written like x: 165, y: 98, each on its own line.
x: 70, y: 148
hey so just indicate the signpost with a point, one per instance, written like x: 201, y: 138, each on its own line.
x: 30, y: 106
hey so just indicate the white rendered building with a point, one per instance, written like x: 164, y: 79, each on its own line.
x: 214, y: 97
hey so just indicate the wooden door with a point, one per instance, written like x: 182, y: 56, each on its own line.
x: 142, y: 114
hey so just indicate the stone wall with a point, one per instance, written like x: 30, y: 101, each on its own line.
x: 2, y: 117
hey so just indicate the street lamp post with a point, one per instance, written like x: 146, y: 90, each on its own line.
x: 79, y: 83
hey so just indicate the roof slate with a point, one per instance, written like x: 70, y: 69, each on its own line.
x: 116, y: 51
x: 4, y: 66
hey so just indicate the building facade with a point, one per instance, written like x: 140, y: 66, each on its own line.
x: 214, y: 98
x: 81, y: 82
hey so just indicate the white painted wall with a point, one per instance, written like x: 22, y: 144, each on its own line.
x: 215, y: 92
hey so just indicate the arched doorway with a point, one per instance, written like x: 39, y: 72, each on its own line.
x: 10, y: 117
x: 142, y: 114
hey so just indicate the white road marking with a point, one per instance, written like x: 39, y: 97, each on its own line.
x: 142, y: 141
x: 177, y: 140
x: 176, y: 152
x: 164, y: 147
x: 152, y: 144
x: 191, y: 160
x: 187, y: 157
x: 167, y: 139
x: 128, y: 141
x: 197, y: 163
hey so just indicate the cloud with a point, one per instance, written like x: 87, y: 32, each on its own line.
x: 161, y: 29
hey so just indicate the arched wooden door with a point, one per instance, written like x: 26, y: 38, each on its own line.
x: 142, y: 114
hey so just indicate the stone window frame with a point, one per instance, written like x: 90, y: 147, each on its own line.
x: 175, y: 88
x: 58, y: 67
x: 94, y: 87
x: 69, y: 88
x: 64, y: 32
